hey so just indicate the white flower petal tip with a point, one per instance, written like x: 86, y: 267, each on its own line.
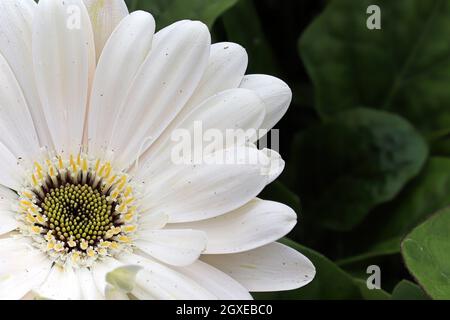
x: 274, y: 267
x: 226, y: 68
x: 274, y: 164
x: 126, y: 50
x: 253, y: 225
x: 275, y: 93
x: 105, y: 16
x: 167, y: 79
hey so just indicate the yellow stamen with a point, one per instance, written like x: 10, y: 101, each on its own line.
x: 114, y: 245
x: 28, y: 195
x: 85, y: 165
x: 130, y: 228
x: 35, y: 182
x: 36, y: 229
x: 75, y: 256
x: 71, y: 243
x: 124, y: 239
x: 30, y: 218
x: 38, y: 166
x: 128, y: 217
x: 105, y: 244
x: 97, y: 165
x: 90, y: 252
x: 59, y: 247
x: 84, y: 244
x: 60, y: 163
x: 50, y: 245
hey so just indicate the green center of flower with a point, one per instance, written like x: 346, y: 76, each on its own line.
x: 78, y: 208
x: 78, y: 212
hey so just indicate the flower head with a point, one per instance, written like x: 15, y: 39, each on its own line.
x: 91, y: 199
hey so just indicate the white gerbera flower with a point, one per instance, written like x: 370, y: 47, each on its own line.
x: 75, y: 202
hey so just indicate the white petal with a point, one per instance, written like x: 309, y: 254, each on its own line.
x: 215, y: 281
x: 64, y: 62
x: 152, y: 220
x: 11, y: 174
x: 105, y: 16
x: 122, y: 57
x: 16, y: 19
x: 158, y: 281
x: 174, y: 247
x: 229, y: 110
x: 251, y: 226
x: 276, y: 94
x: 162, y: 86
x: 274, y: 267
x: 275, y: 165
x: 16, y: 125
x: 89, y: 290
x: 22, y: 268
x: 8, y: 221
x: 61, y: 284
x: 226, y: 68
x: 224, y: 181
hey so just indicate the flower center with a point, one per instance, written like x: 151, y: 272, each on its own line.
x: 77, y: 212
x: 78, y: 208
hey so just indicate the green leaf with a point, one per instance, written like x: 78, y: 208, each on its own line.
x: 169, y: 11
x: 354, y: 161
x: 407, y: 290
x: 388, y: 224
x: 426, y: 194
x: 330, y: 282
x: 388, y: 247
x: 426, y: 254
x: 403, y: 68
x: 252, y: 38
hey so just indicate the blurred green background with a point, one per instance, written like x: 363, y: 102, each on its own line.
x: 366, y: 139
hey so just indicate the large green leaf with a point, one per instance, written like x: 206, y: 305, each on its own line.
x: 388, y: 224
x: 426, y: 254
x: 330, y: 282
x: 426, y: 194
x: 407, y: 290
x: 385, y: 248
x: 404, y: 67
x: 169, y: 11
x: 353, y: 162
